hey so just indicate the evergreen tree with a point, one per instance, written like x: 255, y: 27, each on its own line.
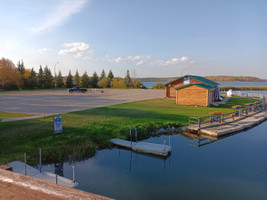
x: 69, y: 82
x: 85, y: 81
x: 41, y: 77
x: 21, y: 70
x: 33, y: 81
x: 48, y: 78
x: 94, y: 80
x: 59, y: 80
x: 103, y: 74
x: 127, y: 79
x: 20, y: 67
x: 110, y: 75
x: 77, y: 79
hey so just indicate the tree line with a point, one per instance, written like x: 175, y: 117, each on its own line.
x: 14, y: 77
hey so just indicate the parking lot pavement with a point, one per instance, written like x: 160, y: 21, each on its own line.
x: 61, y: 101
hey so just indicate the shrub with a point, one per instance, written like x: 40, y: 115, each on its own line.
x: 159, y: 86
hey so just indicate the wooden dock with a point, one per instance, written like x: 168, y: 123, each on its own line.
x: 19, y: 167
x: 217, y: 129
x: 145, y: 147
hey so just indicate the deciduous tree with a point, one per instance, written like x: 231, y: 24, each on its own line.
x: 9, y: 75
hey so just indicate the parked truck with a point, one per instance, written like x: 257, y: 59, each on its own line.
x: 77, y: 89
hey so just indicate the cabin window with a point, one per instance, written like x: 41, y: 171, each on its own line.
x: 186, y: 80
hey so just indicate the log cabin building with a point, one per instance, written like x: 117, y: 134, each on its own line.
x: 193, y: 90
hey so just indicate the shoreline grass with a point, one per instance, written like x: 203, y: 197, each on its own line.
x: 84, y: 132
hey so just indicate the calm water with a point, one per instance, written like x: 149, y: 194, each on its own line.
x: 151, y: 84
x: 231, y: 168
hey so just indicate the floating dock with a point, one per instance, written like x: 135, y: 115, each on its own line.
x: 25, y: 169
x: 229, y: 126
x: 145, y: 147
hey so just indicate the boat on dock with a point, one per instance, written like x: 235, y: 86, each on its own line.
x: 144, y: 147
x: 25, y: 169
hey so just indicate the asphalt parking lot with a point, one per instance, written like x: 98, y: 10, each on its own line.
x: 61, y: 101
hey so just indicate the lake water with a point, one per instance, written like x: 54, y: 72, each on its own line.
x: 231, y: 168
x: 151, y: 84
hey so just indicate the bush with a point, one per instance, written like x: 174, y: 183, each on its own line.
x: 159, y: 86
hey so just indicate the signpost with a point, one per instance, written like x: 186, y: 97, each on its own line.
x: 58, y: 125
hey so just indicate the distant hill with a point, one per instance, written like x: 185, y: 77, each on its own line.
x: 213, y: 78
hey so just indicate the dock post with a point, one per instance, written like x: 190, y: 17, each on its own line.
x: 40, y: 159
x: 56, y: 178
x: 73, y: 174
x: 25, y: 161
x: 135, y: 134
x: 131, y: 135
x: 198, y: 123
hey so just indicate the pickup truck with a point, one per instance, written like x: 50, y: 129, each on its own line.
x: 77, y: 89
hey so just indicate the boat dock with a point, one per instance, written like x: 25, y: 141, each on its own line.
x: 25, y: 169
x: 228, y: 125
x: 145, y: 147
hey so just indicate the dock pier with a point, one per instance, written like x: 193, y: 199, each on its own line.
x: 145, y: 147
x: 227, y: 123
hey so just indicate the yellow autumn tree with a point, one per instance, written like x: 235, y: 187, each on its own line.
x: 9, y: 76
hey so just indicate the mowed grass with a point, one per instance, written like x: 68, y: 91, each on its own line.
x: 86, y: 131
x: 6, y: 115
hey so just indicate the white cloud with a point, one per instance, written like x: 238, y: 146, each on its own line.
x: 138, y: 60
x: 173, y: 61
x: 59, y: 14
x: 43, y: 50
x: 78, y: 49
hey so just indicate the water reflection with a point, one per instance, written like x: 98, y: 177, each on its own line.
x: 227, y: 168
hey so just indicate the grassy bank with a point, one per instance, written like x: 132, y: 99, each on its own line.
x: 89, y: 130
x: 6, y: 115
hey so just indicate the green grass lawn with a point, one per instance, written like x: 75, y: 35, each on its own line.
x: 86, y: 131
x: 6, y: 115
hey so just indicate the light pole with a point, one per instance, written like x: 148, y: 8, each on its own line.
x: 55, y: 74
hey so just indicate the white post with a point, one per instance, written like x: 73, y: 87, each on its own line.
x: 135, y: 134
x: 40, y: 159
x: 25, y: 161
x: 73, y: 174
x: 131, y: 135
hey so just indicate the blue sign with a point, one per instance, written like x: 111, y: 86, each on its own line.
x: 58, y: 124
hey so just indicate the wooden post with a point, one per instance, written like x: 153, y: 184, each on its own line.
x: 198, y: 123
x: 56, y: 178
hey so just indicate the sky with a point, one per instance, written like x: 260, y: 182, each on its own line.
x: 151, y: 38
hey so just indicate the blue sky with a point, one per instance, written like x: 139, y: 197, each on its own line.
x: 151, y: 38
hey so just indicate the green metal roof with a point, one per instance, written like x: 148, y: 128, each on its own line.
x: 207, y: 87
x: 199, y: 78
